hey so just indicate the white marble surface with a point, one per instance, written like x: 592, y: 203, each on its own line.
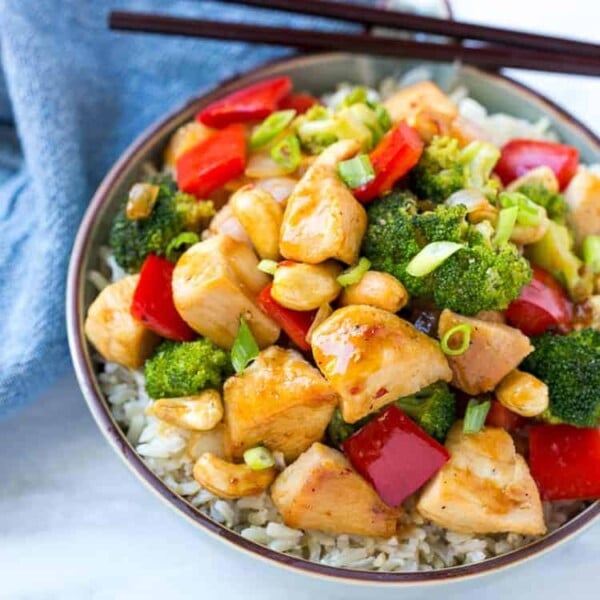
x: 75, y: 524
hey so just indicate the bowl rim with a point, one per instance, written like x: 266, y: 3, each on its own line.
x: 97, y: 405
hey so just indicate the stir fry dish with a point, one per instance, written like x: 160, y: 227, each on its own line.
x: 364, y: 310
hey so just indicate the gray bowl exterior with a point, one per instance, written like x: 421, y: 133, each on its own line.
x: 317, y: 73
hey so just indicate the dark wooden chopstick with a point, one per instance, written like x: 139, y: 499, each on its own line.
x: 369, y: 15
x: 485, y: 56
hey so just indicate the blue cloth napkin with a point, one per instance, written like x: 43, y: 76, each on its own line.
x: 73, y: 95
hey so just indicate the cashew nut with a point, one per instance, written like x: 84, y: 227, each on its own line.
x: 201, y: 412
x: 381, y: 290
x: 228, y: 480
x: 523, y: 393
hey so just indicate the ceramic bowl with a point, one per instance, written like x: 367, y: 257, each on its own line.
x: 316, y: 73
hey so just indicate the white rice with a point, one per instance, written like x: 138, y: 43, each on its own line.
x: 169, y: 451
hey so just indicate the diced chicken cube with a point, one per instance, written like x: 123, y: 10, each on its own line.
x: 583, y: 201
x: 485, y: 487
x: 280, y: 401
x: 321, y: 491
x: 494, y: 351
x: 113, y: 331
x: 423, y: 106
x: 323, y: 219
x: 214, y: 283
x: 372, y: 357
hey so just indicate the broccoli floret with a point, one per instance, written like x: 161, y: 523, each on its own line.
x: 444, y: 168
x: 477, y: 277
x: 392, y: 239
x: 570, y: 366
x: 338, y: 430
x: 433, y: 408
x: 173, y: 213
x: 480, y: 278
x: 554, y: 203
x: 186, y: 368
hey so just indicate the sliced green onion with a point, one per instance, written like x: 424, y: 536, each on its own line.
x: 357, y: 171
x: 383, y: 116
x: 529, y: 213
x: 431, y: 257
x: 181, y: 243
x: 591, y: 252
x: 465, y: 330
x: 354, y: 274
x: 259, y: 458
x: 270, y: 128
x: 245, y: 348
x: 355, y: 96
x: 476, y: 415
x: 287, y: 154
x: 267, y: 266
x: 507, y: 218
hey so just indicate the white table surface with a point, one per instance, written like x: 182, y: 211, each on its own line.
x: 76, y: 524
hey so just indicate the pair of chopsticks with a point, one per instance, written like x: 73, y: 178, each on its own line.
x: 514, y: 49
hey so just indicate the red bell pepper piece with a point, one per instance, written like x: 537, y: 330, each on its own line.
x: 213, y: 162
x: 395, y: 155
x: 542, y: 305
x: 565, y: 461
x: 295, y: 323
x: 298, y: 102
x: 252, y: 103
x: 520, y: 156
x: 395, y: 455
x: 500, y: 416
x: 153, y: 301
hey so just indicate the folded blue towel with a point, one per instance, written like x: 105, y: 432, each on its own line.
x: 76, y: 95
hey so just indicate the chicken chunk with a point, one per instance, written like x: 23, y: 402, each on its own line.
x: 583, y: 202
x: 279, y: 401
x: 485, y: 487
x: 494, y: 351
x: 112, y: 330
x: 214, y: 283
x: 372, y: 357
x: 322, y: 219
x: 423, y: 106
x: 321, y: 491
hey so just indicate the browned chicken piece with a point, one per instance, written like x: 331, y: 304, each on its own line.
x: 372, y: 357
x: 485, y: 487
x: 112, y: 330
x: 583, y: 201
x: 321, y: 491
x: 423, y: 106
x: 279, y: 401
x: 323, y: 219
x: 214, y: 283
x: 228, y: 480
x: 495, y: 350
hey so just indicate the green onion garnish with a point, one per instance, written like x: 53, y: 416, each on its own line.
x: 270, y: 128
x: 529, y: 213
x: 259, y: 458
x: 267, y: 266
x: 357, y: 171
x: 507, y: 218
x: 476, y: 415
x: 354, y: 274
x: 245, y: 348
x: 181, y: 243
x: 287, y: 154
x: 355, y: 96
x: 591, y: 252
x: 431, y: 257
x: 465, y: 330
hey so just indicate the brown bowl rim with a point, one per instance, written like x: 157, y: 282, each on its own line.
x: 88, y: 380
